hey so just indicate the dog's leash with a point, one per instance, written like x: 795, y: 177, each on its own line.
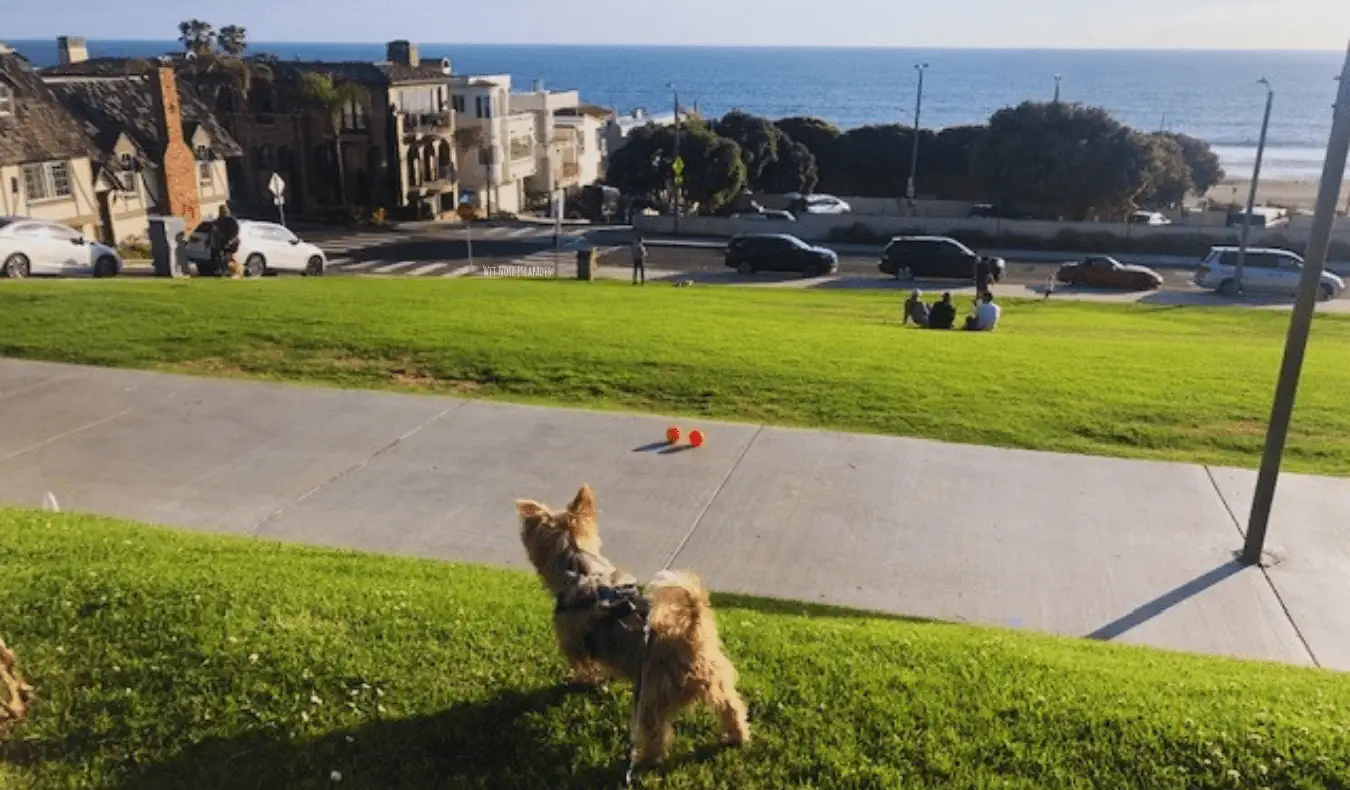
x: 637, y: 705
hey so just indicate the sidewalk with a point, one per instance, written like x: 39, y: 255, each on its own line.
x: 1123, y: 550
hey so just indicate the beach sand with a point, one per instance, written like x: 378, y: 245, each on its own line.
x: 1293, y: 195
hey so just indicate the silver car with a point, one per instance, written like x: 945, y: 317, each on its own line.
x: 1265, y: 270
x: 38, y: 246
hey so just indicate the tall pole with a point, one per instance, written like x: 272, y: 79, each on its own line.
x: 675, y: 177
x: 914, y: 152
x: 1057, y: 79
x: 1251, y: 194
x: 1333, y: 172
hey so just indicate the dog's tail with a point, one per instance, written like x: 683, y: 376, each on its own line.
x: 679, y: 603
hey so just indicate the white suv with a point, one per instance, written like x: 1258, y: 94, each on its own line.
x: 1265, y: 271
x: 263, y: 247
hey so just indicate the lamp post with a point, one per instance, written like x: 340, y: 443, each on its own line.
x: 1057, y: 79
x: 1319, y: 237
x: 914, y: 153
x: 676, y: 177
x: 1251, y: 194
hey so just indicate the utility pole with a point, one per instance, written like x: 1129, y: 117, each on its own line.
x: 1251, y: 194
x: 677, y: 178
x: 1328, y: 194
x: 1057, y: 79
x: 914, y: 152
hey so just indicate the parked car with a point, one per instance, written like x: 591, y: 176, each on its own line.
x: 35, y: 246
x: 263, y: 247
x: 1149, y: 218
x: 1103, y: 271
x: 779, y: 252
x: 1265, y: 270
x: 934, y: 256
x: 765, y: 215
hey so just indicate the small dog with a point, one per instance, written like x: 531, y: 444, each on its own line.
x: 14, y: 693
x: 598, y: 619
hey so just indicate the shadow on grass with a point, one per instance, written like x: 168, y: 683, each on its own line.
x: 729, y: 601
x: 512, y: 740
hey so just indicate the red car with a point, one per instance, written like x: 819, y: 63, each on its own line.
x: 1103, y: 271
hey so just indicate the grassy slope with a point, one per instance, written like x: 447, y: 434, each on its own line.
x: 168, y: 659
x: 1152, y: 382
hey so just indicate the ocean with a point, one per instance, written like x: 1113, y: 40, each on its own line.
x: 1212, y: 95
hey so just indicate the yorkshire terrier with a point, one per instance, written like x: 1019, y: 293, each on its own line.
x: 675, y: 659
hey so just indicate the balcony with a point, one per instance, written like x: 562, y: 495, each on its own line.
x: 440, y: 180
x: 432, y: 123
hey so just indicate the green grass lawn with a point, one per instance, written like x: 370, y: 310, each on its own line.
x: 166, y: 659
x: 1139, y: 381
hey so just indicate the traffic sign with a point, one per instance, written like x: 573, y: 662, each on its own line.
x: 679, y: 179
x: 277, y: 186
x: 677, y: 167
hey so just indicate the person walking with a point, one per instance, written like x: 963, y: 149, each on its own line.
x: 983, y: 275
x: 224, y: 241
x: 639, y: 261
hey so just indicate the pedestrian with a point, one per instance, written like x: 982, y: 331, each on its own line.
x: 915, y: 310
x: 224, y: 241
x: 983, y: 275
x: 639, y: 261
x: 986, y: 315
x: 943, y: 314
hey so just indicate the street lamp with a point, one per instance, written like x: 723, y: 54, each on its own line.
x: 914, y: 153
x: 676, y: 177
x: 1251, y: 194
x: 1057, y: 79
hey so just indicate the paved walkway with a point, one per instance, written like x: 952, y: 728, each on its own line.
x: 1124, y: 550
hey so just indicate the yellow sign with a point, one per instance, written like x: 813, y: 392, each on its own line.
x: 678, y: 166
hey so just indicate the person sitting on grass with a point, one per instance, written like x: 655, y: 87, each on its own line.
x: 943, y: 314
x: 915, y: 310
x: 986, y: 314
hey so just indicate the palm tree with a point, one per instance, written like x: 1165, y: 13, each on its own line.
x: 332, y: 99
x: 198, y: 37
x: 233, y: 40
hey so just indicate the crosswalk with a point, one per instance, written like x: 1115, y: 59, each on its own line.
x: 344, y: 253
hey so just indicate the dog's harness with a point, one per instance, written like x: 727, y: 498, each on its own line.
x: 619, y: 604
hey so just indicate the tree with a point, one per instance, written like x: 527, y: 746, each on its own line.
x: 713, y: 171
x: 332, y: 98
x: 197, y: 37
x: 794, y: 170
x: 870, y: 161
x: 1169, y: 176
x: 233, y: 40
x: 758, y: 139
x: 1206, y: 172
x: 820, y: 138
x: 1063, y: 159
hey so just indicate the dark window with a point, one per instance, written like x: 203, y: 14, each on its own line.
x: 6, y: 100
x: 457, y: 102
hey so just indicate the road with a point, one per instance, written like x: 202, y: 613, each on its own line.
x: 695, y: 259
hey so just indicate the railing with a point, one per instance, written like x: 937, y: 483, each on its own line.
x: 427, y: 123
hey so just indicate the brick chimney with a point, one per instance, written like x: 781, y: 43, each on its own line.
x: 403, y: 53
x: 72, y: 49
x: 178, y: 165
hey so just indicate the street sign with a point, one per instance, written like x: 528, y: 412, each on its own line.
x: 279, y: 200
x: 679, y: 179
x: 277, y: 186
x: 677, y: 167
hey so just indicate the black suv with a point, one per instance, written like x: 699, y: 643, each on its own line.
x: 779, y: 252
x: 934, y: 256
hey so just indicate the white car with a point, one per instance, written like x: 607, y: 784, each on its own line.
x: 826, y: 204
x: 36, y: 246
x: 263, y: 247
x: 1265, y: 271
x: 1151, y: 218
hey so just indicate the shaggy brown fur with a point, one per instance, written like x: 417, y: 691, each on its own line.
x: 14, y: 693
x: 682, y: 664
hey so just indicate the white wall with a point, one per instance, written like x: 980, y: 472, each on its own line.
x: 80, y: 209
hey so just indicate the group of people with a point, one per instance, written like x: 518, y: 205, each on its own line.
x: 942, y: 314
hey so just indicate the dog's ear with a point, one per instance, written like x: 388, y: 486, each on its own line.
x: 529, y: 509
x: 584, y: 504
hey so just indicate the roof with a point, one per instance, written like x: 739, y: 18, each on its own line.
x: 103, y: 67
x: 40, y: 129
x: 359, y: 71
x: 109, y: 107
x: 593, y: 110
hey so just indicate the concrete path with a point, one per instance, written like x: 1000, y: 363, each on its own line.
x: 1123, y: 550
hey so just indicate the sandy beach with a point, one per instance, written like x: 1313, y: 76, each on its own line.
x: 1293, y: 195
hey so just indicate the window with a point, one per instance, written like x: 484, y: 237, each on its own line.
x: 46, y: 181
x: 6, y: 99
x: 205, y: 174
x: 457, y: 102
x: 129, y: 177
x: 483, y: 106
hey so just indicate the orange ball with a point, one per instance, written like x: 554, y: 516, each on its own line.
x: 672, y: 434
x: 696, y: 438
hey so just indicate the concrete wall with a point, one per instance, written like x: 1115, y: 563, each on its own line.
x: 814, y: 227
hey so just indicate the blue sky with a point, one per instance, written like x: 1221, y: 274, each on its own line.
x: 1088, y: 24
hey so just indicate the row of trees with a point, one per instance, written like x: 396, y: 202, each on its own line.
x: 201, y: 38
x: 1052, y: 158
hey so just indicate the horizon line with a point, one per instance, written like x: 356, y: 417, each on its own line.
x: 629, y: 45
